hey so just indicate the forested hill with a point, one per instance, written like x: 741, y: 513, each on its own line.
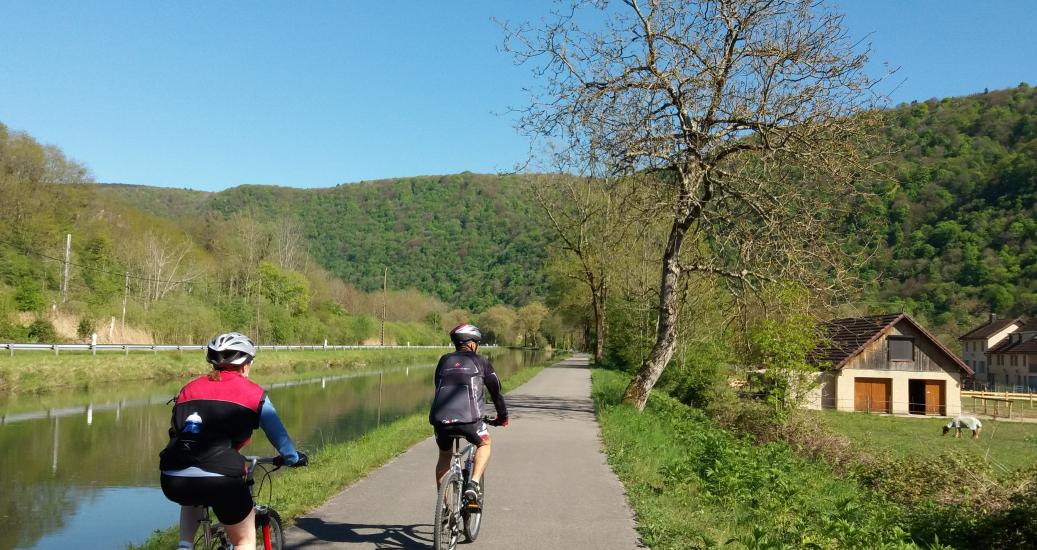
x: 957, y: 228
x: 472, y: 240
x: 960, y: 225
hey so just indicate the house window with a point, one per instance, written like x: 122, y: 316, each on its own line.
x: 901, y: 349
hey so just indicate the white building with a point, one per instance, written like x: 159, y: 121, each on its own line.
x: 977, y: 344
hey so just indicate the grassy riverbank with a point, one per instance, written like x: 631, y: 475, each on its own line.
x: 695, y: 485
x: 336, y: 466
x: 41, y: 372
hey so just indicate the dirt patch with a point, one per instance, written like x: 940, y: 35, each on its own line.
x: 66, y: 326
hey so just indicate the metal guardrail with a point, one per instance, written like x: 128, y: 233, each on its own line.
x: 127, y: 348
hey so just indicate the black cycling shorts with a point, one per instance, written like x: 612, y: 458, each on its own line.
x: 474, y: 432
x: 228, y: 497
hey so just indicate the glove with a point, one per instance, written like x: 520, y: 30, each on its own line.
x: 499, y: 422
x: 303, y: 460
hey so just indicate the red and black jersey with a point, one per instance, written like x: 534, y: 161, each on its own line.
x: 212, y: 419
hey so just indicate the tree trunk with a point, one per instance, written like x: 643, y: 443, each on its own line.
x: 666, y: 337
x: 598, y: 298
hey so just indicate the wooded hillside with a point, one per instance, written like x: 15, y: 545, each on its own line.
x: 958, y: 228
x: 471, y: 240
x: 954, y: 229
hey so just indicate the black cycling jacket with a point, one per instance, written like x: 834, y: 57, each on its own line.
x: 460, y: 377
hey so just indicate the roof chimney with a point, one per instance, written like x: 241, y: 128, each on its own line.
x: 993, y: 317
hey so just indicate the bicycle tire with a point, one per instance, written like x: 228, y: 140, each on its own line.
x: 445, y: 530
x: 473, y: 520
x: 273, y: 521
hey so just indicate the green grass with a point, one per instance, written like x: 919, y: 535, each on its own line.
x: 40, y: 372
x: 336, y: 466
x: 695, y: 485
x: 1007, y: 446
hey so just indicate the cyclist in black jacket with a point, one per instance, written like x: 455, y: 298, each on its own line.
x: 458, y: 407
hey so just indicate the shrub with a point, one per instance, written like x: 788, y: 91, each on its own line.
x: 85, y: 328
x: 41, y: 330
x: 29, y: 295
x: 12, y: 332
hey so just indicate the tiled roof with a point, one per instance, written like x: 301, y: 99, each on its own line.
x: 845, y: 338
x: 1008, y: 345
x: 989, y: 329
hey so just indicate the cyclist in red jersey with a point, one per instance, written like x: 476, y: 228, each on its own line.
x: 458, y: 407
x: 213, y: 418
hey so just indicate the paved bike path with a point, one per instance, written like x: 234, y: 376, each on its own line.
x: 548, y: 485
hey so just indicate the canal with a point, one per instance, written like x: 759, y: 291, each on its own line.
x: 80, y: 469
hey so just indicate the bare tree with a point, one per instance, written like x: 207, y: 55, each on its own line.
x: 287, y: 243
x: 254, y: 241
x: 746, y: 118
x: 588, y: 225
x: 161, y: 262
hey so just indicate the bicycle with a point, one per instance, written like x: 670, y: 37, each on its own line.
x: 269, y: 527
x: 454, y: 517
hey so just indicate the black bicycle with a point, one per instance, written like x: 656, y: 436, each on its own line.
x: 269, y: 528
x: 454, y: 514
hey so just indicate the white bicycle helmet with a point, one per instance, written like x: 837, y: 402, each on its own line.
x: 232, y: 348
x: 464, y: 332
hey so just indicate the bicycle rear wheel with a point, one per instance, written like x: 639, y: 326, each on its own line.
x: 269, y: 529
x: 216, y: 536
x: 445, y: 527
x: 473, y: 518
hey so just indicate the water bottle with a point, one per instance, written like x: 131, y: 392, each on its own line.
x: 193, y: 424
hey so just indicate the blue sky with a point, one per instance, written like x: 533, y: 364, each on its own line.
x: 209, y: 95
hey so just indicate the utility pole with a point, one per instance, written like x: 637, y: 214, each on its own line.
x: 68, y: 252
x: 125, y: 296
x: 258, y: 301
x: 385, y: 281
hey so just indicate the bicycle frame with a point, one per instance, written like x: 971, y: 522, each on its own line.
x: 464, y: 456
x: 214, y: 532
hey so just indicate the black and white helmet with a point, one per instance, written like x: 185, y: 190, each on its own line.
x: 464, y: 333
x: 232, y: 348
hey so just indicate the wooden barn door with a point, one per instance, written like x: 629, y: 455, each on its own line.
x: 934, y: 397
x: 872, y: 394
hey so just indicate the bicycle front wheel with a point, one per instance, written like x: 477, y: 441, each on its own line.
x: 269, y: 530
x: 446, y: 526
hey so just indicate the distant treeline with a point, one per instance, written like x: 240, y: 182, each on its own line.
x: 190, y: 264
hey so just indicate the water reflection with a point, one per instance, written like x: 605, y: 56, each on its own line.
x: 87, y: 462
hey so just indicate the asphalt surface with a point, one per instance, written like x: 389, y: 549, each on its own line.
x: 547, y: 486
